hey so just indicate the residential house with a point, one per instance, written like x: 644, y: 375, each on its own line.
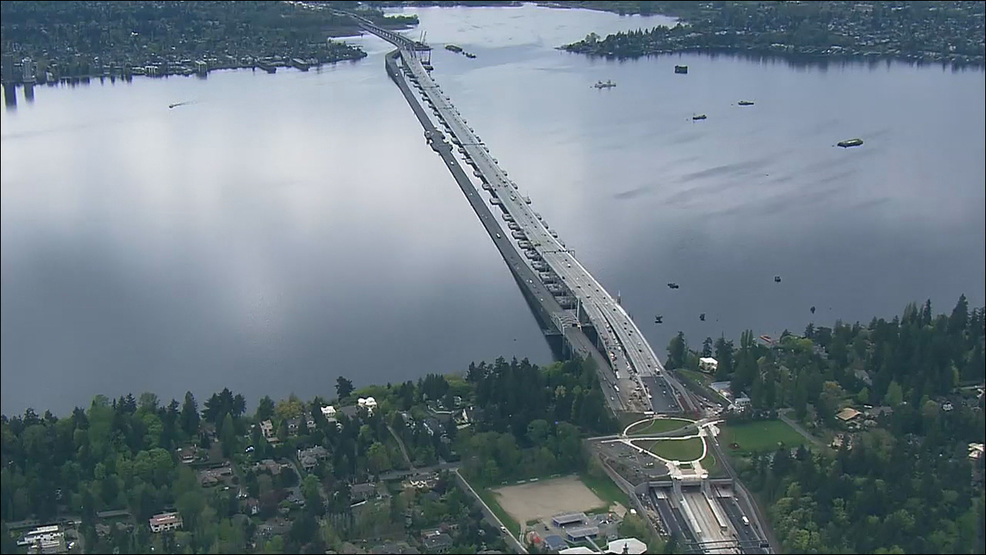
x: 187, y: 454
x: 436, y: 542
x: 309, y: 457
x: 212, y: 476
x: 251, y: 506
x: 394, y: 548
x: 362, y: 492
x: 368, y: 403
x: 847, y: 414
x: 269, y: 465
x: 267, y: 428
x: 294, y: 424
x: 329, y: 412
x: 165, y: 522
x: 708, y: 365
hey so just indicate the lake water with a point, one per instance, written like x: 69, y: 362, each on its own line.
x: 281, y: 230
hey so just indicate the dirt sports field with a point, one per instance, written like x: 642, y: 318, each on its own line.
x: 544, y: 498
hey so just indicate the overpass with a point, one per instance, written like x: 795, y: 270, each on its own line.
x: 568, y: 301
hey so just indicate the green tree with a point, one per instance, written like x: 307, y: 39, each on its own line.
x: 190, y: 415
x: 707, y: 347
x: 377, y: 458
x: 677, y: 349
x: 343, y: 387
x: 311, y: 490
x: 895, y: 394
x: 228, y: 437
x: 265, y: 409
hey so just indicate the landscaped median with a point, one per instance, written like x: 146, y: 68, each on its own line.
x: 683, y: 450
x: 657, y: 426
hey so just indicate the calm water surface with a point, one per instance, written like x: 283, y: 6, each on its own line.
x: 281, y: 230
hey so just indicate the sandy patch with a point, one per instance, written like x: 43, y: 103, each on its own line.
x: 545, y: 498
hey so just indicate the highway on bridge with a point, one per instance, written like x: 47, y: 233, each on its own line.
x: 631, y: 358
x: 630, y: 354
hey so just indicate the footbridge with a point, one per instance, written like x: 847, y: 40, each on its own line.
x: 571, y: 305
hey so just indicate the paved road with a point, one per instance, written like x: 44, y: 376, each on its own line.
x: 489, y: 514
x: 744, y: 497
x: 745, y: 533
x: 630, y: 354
x: 782, y: 414
x: 536, y: 293
x: 400, y: 443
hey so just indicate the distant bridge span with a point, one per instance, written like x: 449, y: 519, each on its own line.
x: 567, y: 300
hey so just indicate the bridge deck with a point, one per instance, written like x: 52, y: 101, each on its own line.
x: 630, y: 356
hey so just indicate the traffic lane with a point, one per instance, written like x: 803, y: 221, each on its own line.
x: 664, y: 510
x: 746, y: 534
x: 540, y: 231
x: 661, y: 397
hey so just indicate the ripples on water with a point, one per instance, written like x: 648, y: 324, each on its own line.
x: 285, y: 229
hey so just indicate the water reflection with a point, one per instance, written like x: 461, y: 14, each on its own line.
x: 10, y: 96
x: 281, y: 230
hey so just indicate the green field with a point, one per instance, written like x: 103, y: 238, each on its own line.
x: 674, y: 449
x: 604, y: 488
x: 658, y: 426
x: 696, y: 376
x: 755, y: 437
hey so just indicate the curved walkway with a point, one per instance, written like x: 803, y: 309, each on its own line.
x: 626, y: 431
x: 702, y: 425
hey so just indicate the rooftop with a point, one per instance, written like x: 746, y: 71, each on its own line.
x: 632, y: 546
x: 847, y: 414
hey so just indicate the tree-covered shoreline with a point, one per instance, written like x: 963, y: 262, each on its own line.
x: 899, y: 406
x: 943, y: 32
x: 295, y: 476
x: 898, y: 474
x: 83, y: 39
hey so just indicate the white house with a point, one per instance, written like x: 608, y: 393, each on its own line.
x: 369, y: 403
x: 708, y: 364
x: 164, y: 522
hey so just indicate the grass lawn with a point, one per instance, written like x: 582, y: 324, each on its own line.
x: 604, y: 488
x: 490, y: 498
x: 658, y: 426
x: 698, y: 377
x: 755, y: 437
x: 709, y: 462
x: 675, y: 449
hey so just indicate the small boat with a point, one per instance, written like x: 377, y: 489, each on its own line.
x: 850, y: 142
x: 681, y: 69
x: 607, y: 85
x: 699, y: 117
x: 777, y: 279
x: 701, y: 317
x: 745, y: 103
x: 672, y: 285
x: 470, y: 55
x: 659, y: 319
x: 812, y: 309
x: 453, y: 48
